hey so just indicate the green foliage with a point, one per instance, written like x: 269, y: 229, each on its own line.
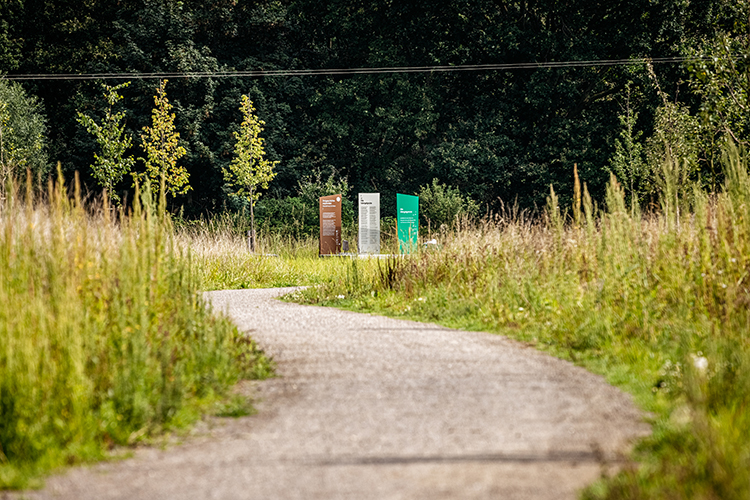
x: 722, y: 82
x: 291, y: 215
x: 441, y: 205
x: 298, y: 216
x: 23, y: 130
x: 111, y: 164
x: 312, y: 187
x: 628, y: 162
x: 250, y: 169
x: 673, y: 151
x: 160, y: 142
x: 104, y: 337
x: 491, y: 134
x: 723, y: 86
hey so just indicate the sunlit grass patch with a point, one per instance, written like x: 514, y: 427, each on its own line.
x: 222, y: 259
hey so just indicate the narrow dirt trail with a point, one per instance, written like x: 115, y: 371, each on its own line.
x: 375, y: 408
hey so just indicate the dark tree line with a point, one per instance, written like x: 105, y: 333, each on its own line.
x: 493, y: 134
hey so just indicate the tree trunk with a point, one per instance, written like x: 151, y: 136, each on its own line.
x: 251, y: 235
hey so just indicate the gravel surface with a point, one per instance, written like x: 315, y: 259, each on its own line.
x: 367, y: 407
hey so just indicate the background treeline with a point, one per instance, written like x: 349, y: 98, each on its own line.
x: 493, y: 134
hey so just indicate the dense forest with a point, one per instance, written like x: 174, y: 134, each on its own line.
x: 494, y: 135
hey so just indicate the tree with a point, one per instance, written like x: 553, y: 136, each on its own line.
x: 111, y: 165
x: 162, y: 148
x: 627, y: 162
x: 722, y: 81
x: 491, y: 134
x: 23, y: 131
x: 249, y: 169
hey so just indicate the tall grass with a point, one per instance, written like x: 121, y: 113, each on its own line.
x: 656, y: 302
x: 222, y: 259
x: 104, y: 337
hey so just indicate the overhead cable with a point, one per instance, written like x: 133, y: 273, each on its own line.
x: 261, y: 73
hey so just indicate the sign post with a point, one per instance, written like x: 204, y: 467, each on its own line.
x: 369, y: 223
x: 330, y: 225
x: 407, y: 222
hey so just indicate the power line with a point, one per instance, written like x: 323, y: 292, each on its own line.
x: 353, y: 71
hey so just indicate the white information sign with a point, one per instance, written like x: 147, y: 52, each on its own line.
x: 369, y: 223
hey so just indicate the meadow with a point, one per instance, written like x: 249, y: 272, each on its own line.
x: 105, y: 338
x: 656, y: 302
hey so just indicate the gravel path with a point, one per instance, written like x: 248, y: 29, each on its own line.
x: 375, y: 408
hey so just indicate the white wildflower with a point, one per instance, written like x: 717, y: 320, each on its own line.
x: 700, y: 363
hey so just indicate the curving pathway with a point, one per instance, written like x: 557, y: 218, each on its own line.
x: 375, y: 408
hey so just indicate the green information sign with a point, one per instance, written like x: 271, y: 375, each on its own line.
x: 407, y: 221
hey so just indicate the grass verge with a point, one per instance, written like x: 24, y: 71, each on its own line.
x: 104, y: 336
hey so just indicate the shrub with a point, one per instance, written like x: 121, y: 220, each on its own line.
x: 299, y: 215
x: 291, y: 216
x: 441, y: 205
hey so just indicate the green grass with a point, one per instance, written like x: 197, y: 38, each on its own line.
x: 221, y: 258
x: 657, y: 303
x: 105, y: 339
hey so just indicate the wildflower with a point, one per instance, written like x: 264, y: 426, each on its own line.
x: 520, y: 308
x: 339, y: 296
x: 700, y: 363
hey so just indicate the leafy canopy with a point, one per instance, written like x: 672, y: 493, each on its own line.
x: 23, y: 132
x: 250, y: 169
x: 161, y: 144
x: 111, y: 165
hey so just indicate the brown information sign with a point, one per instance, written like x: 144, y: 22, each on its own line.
x: 330, y: 225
